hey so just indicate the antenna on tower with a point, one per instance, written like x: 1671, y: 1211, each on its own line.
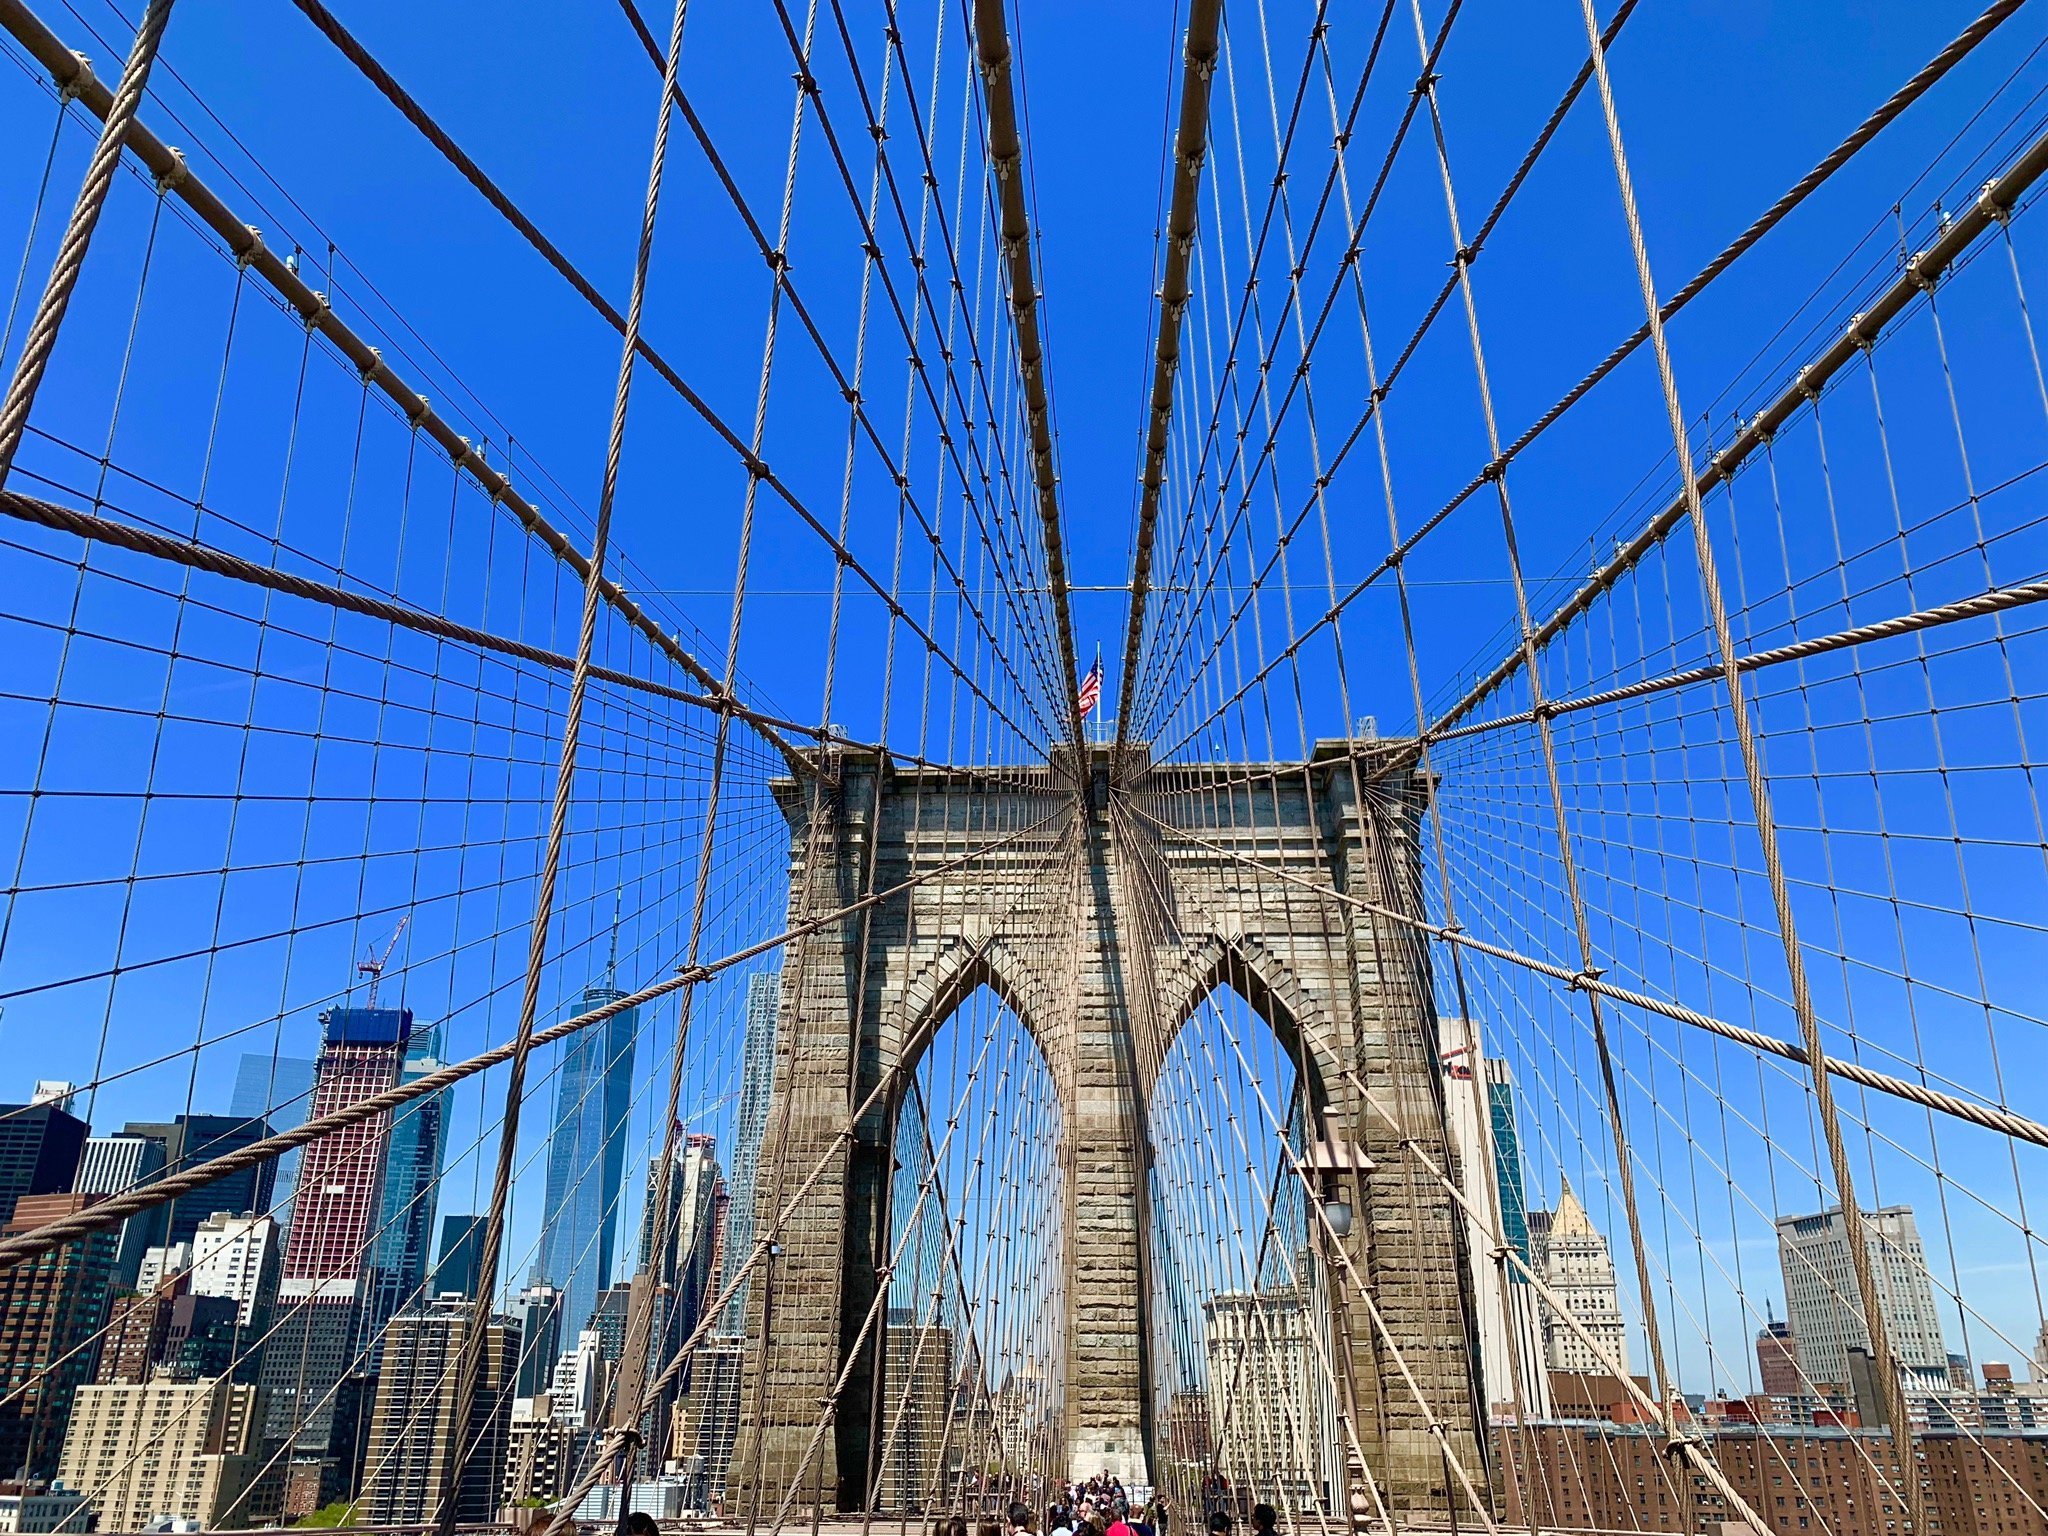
x: 372, y: 965
x: 611, y: 962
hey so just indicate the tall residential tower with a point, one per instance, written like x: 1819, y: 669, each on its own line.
x: 334, y: 1213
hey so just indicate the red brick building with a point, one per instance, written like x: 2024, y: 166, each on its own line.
x: 1612, y: 1477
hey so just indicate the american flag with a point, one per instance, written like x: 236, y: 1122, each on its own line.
x: 1091, y: 688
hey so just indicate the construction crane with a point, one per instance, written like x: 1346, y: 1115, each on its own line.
x: 372, y: 964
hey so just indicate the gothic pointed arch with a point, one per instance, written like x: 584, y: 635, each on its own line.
x: 963, y: 963
x: 1248, y: 967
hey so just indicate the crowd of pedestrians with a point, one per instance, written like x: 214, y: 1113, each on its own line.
x: 1102, y: 1506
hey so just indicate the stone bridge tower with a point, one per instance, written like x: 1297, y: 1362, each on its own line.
x: 1103, y: 913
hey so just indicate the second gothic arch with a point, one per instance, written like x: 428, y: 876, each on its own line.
x: 1304, y: 1027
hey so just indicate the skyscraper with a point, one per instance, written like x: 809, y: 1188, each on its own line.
x: 709, y: 1413
x: 1574, y: 1261
x: 537, y: 1311
x: 133, y: 1341
x: 277, y: 1089
x: 327, y: 1250
x: 1823, y: 1305
x: 576, y: 1392
x: 40, y: 1146
x: 202, y: 1338
x: 920, y: 1375
x: 681, y: 1271
x: 342, y: 1181
x: 543, y: 1452
x: 587, y: 1159
x: 1483, y: 1132
x: 237, y: 1257
x: 112, y: 1164
x: 165, y: 1269
x: 461, y: 1261
x: 614, y: 1308
x: 404, y: 1227
x: 710, y: 1406
x: 1270, y: 1420
x: 1507, y: 1161
x: 190, y: 1140
x: 51, y: 1306
x: 413, y: 1430
x: 750, y: 1129
x: 693, y: 1187
x: 173, y: 1332
x: 1777, y: 1361
x: 317, y: 1475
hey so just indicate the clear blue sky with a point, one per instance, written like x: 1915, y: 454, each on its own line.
x: 1725, y: 106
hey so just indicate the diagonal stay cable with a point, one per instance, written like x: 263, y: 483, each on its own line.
x: 1228, y: 369
x: 1190, y: 150
x: 848, y: 386
x: 1006, y: 162
x: 1990, y: 1117
x: 1840, y: 1157
x: 1017, y: 582
x: 168, y: 166
x: 950, y: 242
x: 203, y: 557
x: 1347, y: 268
x: 1993, y: 205
x: 116, y: 1209
x: 1975, y: 219
x: 756, y: 466
x: 470, y: 1363
x: 1978, y: 605
x: 116, y: 124
x: 1262, y: 398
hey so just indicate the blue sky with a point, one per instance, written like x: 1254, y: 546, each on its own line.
x: 1724, y: 105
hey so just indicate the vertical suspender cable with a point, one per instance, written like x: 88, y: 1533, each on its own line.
x: 551, y: 857
x: 1547, y: 752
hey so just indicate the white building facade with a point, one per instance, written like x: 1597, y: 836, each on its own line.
x: 237, y: 1257
x: 1272, y: 1405
x: 1826, y: 1309
x: 1478, y: 1103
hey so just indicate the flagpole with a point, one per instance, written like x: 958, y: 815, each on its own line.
x: 1089, y: 692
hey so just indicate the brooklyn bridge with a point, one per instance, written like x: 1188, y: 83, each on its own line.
x: 1003, y: 766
